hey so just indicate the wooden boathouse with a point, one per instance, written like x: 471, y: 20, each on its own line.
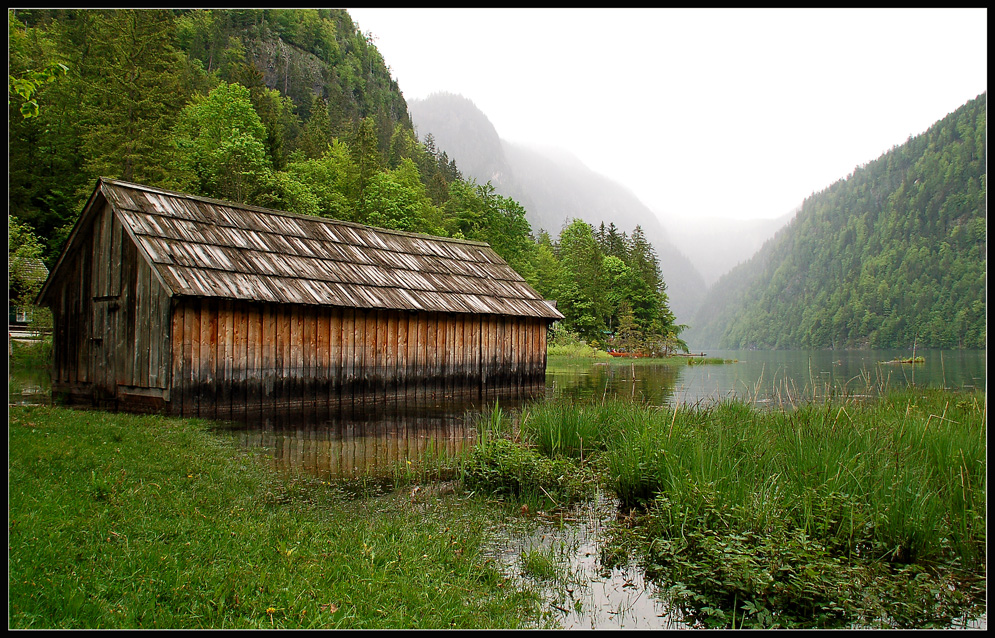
x: 166, y: 302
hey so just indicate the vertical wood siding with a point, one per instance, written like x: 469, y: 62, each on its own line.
x: 239, y: 357
x: 112, y: 324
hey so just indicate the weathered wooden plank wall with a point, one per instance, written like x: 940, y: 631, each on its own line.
x: 111, y: 339
x: 233, y: 357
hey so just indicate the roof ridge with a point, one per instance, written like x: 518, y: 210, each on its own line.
x: 387, y: 249
x: 275, y: 211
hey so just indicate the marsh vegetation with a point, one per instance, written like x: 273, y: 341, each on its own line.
x: 844, y: 513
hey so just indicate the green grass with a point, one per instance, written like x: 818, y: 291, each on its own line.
x: 566, y: 345
x: 900, y: 479
x: 540, y: 563
x: 907, y: 472
x: 502, y: 464
x: 833, y: 513
x: 580, y: 351
x: 118, y: 521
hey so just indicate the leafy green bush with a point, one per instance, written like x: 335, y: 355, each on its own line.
x: 563, y: 342
x: 505, y: 468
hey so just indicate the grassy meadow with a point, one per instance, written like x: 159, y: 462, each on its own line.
x: 119, y: 520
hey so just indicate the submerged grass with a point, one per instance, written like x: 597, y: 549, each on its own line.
x: 503, y: 465
x: 540, y: 563
x: 120, y: 521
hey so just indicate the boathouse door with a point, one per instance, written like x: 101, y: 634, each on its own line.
x: 102, y: 350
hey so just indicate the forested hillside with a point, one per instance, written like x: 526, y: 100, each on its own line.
x: 894, y: 254
x: 290, y: 109
x: 553, y: 186
x: 134, y: 92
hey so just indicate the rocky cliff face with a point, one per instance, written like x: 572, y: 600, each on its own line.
x: 288, y: 69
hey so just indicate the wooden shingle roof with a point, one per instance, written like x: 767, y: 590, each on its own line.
x: 208, y: 248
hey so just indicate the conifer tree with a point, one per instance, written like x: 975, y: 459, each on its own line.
x: 317, y: 134
x: 130, y: 104
x: 365, y: 154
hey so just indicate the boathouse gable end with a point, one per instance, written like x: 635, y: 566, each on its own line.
x: 170, y: 302
x: 111, y: 316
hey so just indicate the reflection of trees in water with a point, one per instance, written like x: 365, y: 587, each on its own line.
x: 371, y: 436
x: 654, y: 384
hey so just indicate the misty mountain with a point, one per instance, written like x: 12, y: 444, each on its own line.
x: 461, y: 130
x: 717, y: 245
x: 552, y: 185
x: 892, y: 255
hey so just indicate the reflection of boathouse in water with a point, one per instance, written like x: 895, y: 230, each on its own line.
x: 372, y: 437
x: 196, y: 307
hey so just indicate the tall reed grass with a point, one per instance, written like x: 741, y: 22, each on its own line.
x: 902, y: 478
x: 791, y: 507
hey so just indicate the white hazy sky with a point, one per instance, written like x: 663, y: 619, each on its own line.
x: 701, y: 113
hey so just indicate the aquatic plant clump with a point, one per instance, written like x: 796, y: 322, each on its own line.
x: 814, y: 517
x: 505, y: 468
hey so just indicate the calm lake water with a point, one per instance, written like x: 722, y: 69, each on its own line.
x: 375, y: 436
x: 779, y: 377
